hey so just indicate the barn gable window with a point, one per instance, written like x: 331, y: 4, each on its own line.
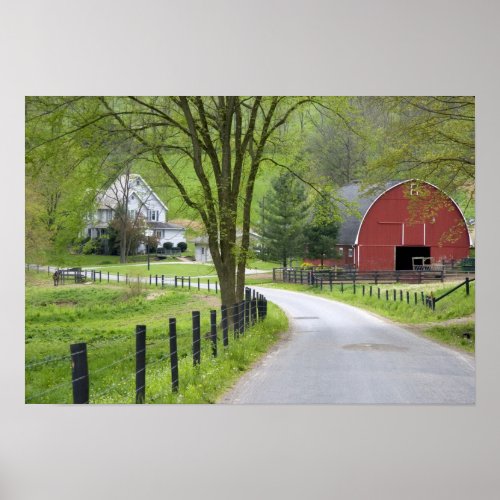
x: 413, y: 189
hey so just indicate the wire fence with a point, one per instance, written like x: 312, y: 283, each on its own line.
x: 160, y: 353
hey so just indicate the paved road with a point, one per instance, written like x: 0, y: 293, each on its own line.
x: 336, y: 353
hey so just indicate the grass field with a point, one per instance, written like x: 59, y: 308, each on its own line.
x: 105, y: 316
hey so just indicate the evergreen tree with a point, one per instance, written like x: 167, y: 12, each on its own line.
x: 321, y: 233
x: 285, y: 214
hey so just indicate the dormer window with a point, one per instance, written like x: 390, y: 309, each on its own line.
x: 137, y: 182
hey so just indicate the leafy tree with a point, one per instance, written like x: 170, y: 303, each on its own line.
x: 321, y: 233
x: 430, y: 138
x: 219, y: 143
x: 284, y: 219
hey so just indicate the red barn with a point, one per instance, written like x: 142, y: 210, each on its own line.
x: 408, y: 219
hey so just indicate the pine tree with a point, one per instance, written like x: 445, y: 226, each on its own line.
x: 285, y: 214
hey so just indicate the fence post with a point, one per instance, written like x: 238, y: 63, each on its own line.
x: 342, y: 287
x: 274, y: 274
x: 162, y: 280
x: 416, y: 299
x: 422, y: 293
x: 248, y: 298
x: 363, y: 290
x: 467, y: 286
x: 401, y: 295
x: 442, y: 275
x: 253, y: 311
x: 174, y: 367
x: 126, y: 279
x: 378, y: 292
x: 387, y: 295
x: 175, y: 281
x: 216, y: 287
x: 242, y: 318
x: 182, y: 281
x: 321, y: 283
x: 196, y: 338
x: 208, y: 284
x: 394, y: 294
x: 140, y: 363
x: 407, y: 297
x: 225, y: 337
x: 236, y: 320
x: 117, y: 275
x: 198, y: 283
x: 371, y: 291
x: 108, y: 276
x: 213, y: 332
x: 354, y: 288
x: 189, y: 282
x: 79, y: 373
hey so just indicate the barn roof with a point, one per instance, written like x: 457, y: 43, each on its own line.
x: 362, y: 199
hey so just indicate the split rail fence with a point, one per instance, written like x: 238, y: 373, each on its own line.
x: 316, y: 275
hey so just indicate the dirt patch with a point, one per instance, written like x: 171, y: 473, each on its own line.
x: 211, y: 300
x: 153, y: 295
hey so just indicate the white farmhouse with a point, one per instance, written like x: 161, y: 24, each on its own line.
x: 133, y: 192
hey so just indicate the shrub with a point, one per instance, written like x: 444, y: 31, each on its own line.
x: 168, y: 245
x: 182, y: 246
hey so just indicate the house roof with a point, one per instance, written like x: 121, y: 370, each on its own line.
x: 164, y: 225
x: 362, y: 200
x: 108, y: 200
x: 203, y: 240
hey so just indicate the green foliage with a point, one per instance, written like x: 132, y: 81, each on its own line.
x: 182, y: 246
x: 460, y: 335
x: 284, y: 219
x: 430, y: 137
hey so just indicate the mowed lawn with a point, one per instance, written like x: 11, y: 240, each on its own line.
x: 104, y: 316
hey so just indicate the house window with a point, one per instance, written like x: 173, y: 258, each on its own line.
x: 349, y: 252
x: 202, y: 251
x: 158, y: 234
x: 109, y: 215
x: 153, y: 215
x: 131, y: 214
x: 89, y: 233
x: 341, y: 251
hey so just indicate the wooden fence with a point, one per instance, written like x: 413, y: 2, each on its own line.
x: 315, y: 275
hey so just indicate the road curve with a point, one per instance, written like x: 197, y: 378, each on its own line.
x: 338, y: 354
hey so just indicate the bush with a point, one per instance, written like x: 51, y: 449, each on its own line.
x: 182, y: 246
x: 168, y: 245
